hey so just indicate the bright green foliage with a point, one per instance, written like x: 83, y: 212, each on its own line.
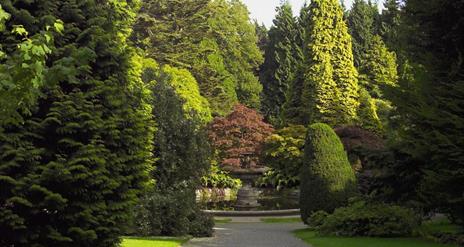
x: 214, y: 40
x: 330, y: 88
x: 367, y: 113
x: 178, y: 33
x: 236, y: 36
x: 22, y: 71
x: 280, y: 65
x: 364, y: 218
x: 186, y: 88
x: 327, y: 180
x: 361, y: 24
x: 429, y: 101
x: 380, y: 69
x: 71, y: 172
x: 283, y: 151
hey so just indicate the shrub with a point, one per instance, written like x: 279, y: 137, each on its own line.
x: 371, y: 219
x: 327, y: 180
x: 218, y: 178
x: 283, y: 152
x: 171, y: 213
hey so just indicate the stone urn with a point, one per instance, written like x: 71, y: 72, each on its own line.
x: 248, y: 173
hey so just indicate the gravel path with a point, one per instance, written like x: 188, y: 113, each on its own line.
x: 251, y: 235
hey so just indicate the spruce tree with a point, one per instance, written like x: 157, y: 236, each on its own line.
x: 361, y: 24
x: 280, y: 64
x: 390, y: 21
x: 71, y: 171
x: 330, y: 88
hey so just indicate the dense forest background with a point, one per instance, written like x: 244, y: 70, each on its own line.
x: 113, y: 112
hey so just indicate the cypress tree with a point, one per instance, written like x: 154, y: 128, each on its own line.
x: 71, y: 171
x: 330, y: 88
x: 280, y: 64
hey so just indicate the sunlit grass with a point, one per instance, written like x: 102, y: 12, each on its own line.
x: 310, y: 237
x: 152, y: 242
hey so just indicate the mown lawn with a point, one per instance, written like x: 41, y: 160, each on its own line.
x: 152, y: 242
x: 310, y: 237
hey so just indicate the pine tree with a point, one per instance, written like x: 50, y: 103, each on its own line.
x: 71, y: 171
x: 279, y: 68
x: 330, y: 89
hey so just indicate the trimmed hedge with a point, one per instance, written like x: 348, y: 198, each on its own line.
x: 327, y: 179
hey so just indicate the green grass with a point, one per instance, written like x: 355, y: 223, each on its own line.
x: 152, y: 242
x: 310, y: 237
x: 222, y: 220
x: 281, y: 220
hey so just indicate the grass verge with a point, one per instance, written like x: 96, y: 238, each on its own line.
x: 152, y: 242
x: 310, y: 237
x: 222, y: 220
x: 281, y: 220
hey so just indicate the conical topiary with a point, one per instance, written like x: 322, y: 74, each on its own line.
x: 327, y: 180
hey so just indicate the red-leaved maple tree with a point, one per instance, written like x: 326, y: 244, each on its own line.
x: 241, y: 133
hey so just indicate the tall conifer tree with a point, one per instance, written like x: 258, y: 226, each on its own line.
x: 280, y: 65
x: 330, y: 89
x: 70, y: 173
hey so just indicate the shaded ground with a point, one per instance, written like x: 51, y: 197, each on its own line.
x: 252, y: 234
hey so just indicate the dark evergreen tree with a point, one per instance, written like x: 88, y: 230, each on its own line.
x: 390, y: 21
x: 71, y: 171
x: 291, y: 112
x: 280, y: 64
x: 361, y: 23
x: 430, y: 99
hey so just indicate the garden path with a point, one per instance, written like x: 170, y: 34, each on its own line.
x: 251, y: 234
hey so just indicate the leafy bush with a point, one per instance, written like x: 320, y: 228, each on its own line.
x: 283, y: 152
x: 327, y: 180
x: 171, y: 213
x: 218, y: 178
x: 278, y: 180
x: 363, y: 218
